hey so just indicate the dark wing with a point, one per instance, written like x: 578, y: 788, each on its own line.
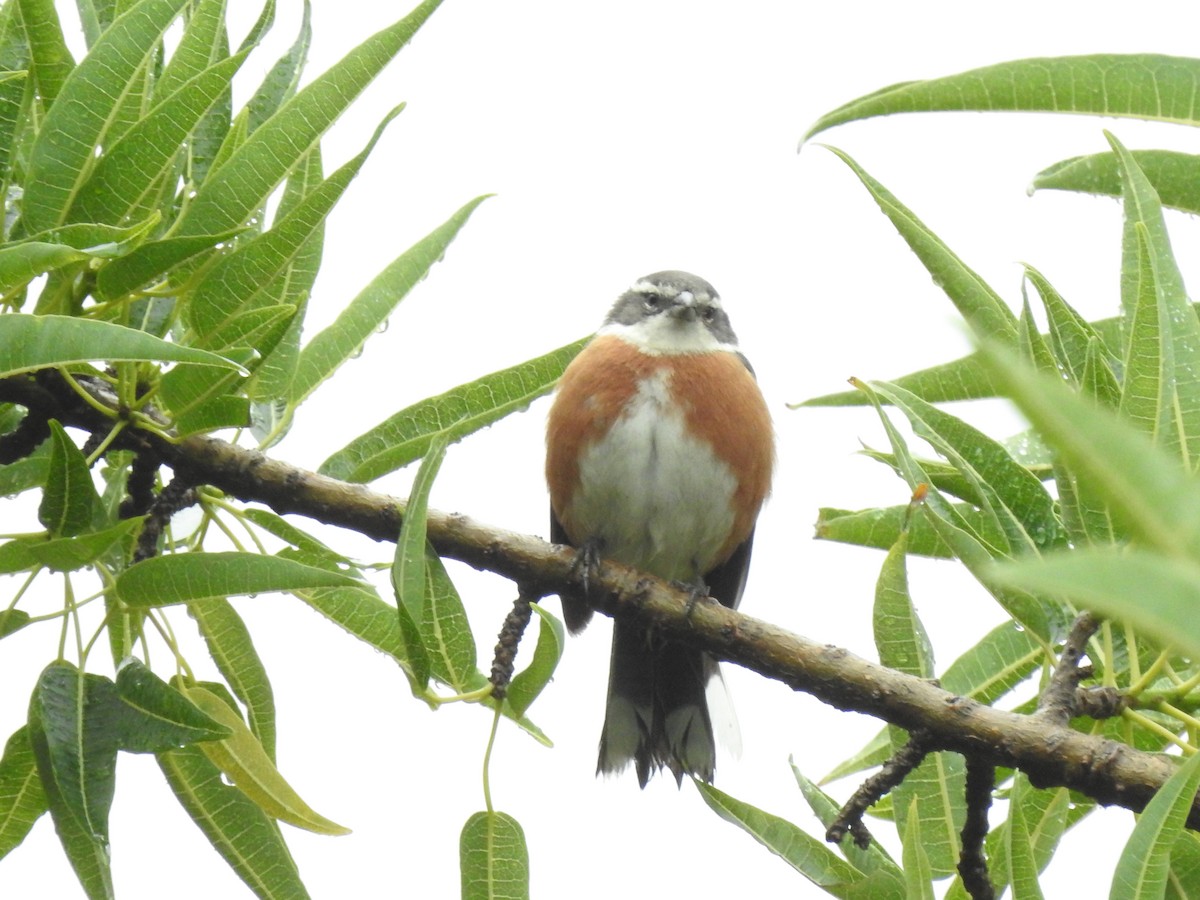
x: 727, y: 581
x: 576, y: 610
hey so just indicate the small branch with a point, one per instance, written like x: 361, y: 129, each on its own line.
x: 893, y: 772
x: 1058, y: 701
x: 177, y: 495
x: 972, y: 862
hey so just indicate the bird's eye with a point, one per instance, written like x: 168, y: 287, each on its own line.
x: 708, y: 314
x: 651, y: 302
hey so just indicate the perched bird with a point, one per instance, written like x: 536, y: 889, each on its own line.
x: 659, y: 451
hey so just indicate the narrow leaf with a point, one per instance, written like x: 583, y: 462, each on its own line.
x: 1175, y: 176
x: 70, y: 496
x: 1140, y: 85
x: 159, y: 717
x: 29, y: 342
x: 186, y: 577
x: 406, y: 436
x: 241, y: 184
x: 1142, y: 869
x: 527, y: 684
x: 979, y: 305
x: 245, y: 836
x: 231, y: 648
x: 242, y: 758
x: 22, y: 799
x: 63, y: 153
x: 370, y: 309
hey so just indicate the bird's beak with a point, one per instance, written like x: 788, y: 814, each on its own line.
x: 684, y: 307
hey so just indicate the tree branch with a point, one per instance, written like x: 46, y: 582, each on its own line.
x: 1047, y: 751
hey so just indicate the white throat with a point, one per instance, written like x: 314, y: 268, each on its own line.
x: 662, y: 335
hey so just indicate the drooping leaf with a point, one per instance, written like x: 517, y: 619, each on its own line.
x: 22, y: 799
x: 245, y: 836
x: 231, y: 648
x: 409, y: 565
x: 159, y: 718
x: 528, y: 683
x: 1142, y: 868
x: 70, y: 497
x: 242, y: 759
x: 493, y: 858
x: 809, y: 856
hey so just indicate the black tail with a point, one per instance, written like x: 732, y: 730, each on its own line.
x: 657, y: 713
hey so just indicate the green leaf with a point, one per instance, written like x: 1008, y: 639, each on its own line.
x: 23, y: 262
x: 1070, y: 334
x: 900, y: 636
x: 159, y: 717
x: 245, y: 836
x: 1020, y: 863
x: 127, y: 179
x: 879, y: 528
x: 1142, y: 869
x: 918, y: 877
x: 962, y: 379
x: 22, y: 799
x: 28, y: 343
x: 1156, y: 593
x: 527, y: 684
x: 1146, y: 488
x: 1174, y: 175
x: 153, y: 260
x: 74, y: 724
x: 1015, y: 497
x: 63, y: 154
x: 367, y: 312
x: 871, y: 860
x: 1141, y: 86
x: 70, y: 496
x: 242, y: 183
x: 63, y: 554
x: 976, y: 550
x: 51, y: 60
x: 242, y: 280
x: 1183, y: 880
x: 231, y: 648
x: 406, y: 436
x: 935, y: 789
x: 12, y: 621
x: 1163, y: 354
x: 187, y: 577
x: 409, y: 564
x: 244, y: 761
x: 808, y: 855
x: 493, y: 858
x: 975, y: 300
x: 445, y: 631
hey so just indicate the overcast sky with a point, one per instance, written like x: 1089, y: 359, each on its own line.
x: 622, y: 138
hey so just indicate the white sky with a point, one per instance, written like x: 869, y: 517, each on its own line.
x: 622, y: 138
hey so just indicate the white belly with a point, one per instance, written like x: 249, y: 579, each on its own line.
x: 658, y: 499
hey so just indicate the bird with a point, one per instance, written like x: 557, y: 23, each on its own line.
x: 659, y: 455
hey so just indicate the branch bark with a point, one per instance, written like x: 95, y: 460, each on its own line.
x: 1050, y: 753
